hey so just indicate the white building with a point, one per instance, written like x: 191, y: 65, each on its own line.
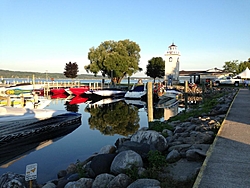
x: 172, y: 62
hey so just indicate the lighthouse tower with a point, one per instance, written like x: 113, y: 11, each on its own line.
x: 172, y: 62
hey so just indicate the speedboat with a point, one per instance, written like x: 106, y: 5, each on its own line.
x: 138, y: 91
x: 107, y: 92
x: 79, y: 90
x: 18, y: 89
x: 30, y: 102
x: 23, y: 122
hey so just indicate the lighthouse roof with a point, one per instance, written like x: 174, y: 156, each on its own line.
x: 172, y: 45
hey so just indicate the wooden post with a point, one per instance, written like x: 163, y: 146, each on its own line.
x: 22, y: 101
x: 8, y: 101
x: 186, y: 94
x: 35, y: 100
x: 150, y: 101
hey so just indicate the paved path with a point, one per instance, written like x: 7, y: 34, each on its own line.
x: 228, y: 161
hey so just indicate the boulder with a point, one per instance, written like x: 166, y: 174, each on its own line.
x: 102, y: 180
x: 125, y: 160
x: 153, y: 138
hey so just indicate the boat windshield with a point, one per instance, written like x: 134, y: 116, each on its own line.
x: 139, y: 88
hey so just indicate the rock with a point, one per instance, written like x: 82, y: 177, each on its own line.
x: 153, y: 138
x: 120, y: 181
x: 102, y: 180
x: 143, y: 183
x: 125, y: 160
x: 182, y: 170
x: 173, y: 156
x: 49, y: 185
x: 14, y: 180
x: 71, y: 169
x: 61, y: 174
x: 81, y: 183
x: 101, y: 163
x: 107, y: 149
x: 141, y: 148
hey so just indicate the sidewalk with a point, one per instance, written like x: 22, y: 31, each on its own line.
x: 227, y: 164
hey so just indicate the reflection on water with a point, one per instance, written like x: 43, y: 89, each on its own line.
x: 103, y: 122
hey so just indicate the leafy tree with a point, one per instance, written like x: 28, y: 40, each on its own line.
x: 156, y: 68
x: 114, y: 59
x: 231, y: 66
x: 71, y: 70
x: 244, y: 65
x: 114, y: 118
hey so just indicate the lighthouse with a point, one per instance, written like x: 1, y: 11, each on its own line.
x: 172, y: 63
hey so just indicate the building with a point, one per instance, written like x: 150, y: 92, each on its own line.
x: 172, y: 63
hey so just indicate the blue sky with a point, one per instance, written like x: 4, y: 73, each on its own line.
x: 40, y: 35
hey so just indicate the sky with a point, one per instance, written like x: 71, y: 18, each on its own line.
x: 44, y: 35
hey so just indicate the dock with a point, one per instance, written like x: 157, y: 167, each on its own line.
x: 228, y: 160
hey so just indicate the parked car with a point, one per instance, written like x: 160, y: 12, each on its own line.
x: 228, y: 81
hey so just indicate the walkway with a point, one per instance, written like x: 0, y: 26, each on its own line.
x: 228, y: 161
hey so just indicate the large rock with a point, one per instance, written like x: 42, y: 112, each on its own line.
x: 101, y: 163
x: 153, y: 138
x: 141, y: 148
x: 102, y: 180
x: 120, y: 181
x: 125, y: 160
x: 81, y: 183
x: 143, y: 183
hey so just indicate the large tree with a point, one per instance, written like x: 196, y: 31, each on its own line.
x: 71, y: 70
x: 156, y: 68
x: 114, y: 59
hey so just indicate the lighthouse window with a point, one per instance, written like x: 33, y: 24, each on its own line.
x: 170, y: 59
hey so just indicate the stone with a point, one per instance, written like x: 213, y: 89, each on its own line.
x: 125, y: 160
x: 101, y: 163
x: 120, y: 181
x: 107, y: 149
x: 153, y: 138
x: 140, y: 183
x: 102, y: 180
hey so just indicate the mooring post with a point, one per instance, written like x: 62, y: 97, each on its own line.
x: 186, y: 94
x: 150, y: 101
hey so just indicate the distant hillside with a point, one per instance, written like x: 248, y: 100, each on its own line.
x: 20, y: 74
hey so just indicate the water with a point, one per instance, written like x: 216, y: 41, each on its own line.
x: 100, y: 126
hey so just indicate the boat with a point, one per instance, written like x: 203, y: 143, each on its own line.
x: 107, y: 92
x: 79, y: 90
x: 18, y: 102
x: 59, y: 96
x: 19, y: 89
x: 78, y: 100
x: 105, y: 101
x: 57, y: 91
x: 23, y: 122
x: 166, y: 101
x: 138, y: 103
x: 138, y: 91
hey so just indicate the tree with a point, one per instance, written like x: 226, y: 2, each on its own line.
x: 156, y: 68
x: 114, y: 59
x: 71, y: 70
x: 231, y: 66
x: 244, y: 65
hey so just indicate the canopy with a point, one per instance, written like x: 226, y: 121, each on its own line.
x: 245, y: 73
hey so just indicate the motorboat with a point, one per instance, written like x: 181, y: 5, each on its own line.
x: 29, y: 102
x: 138, y: 103
x: 138, y: 91
x: 107, y: 92
x: 103, y: 101
x: 19, y: 89
x: 78, y: 100
x: 23, y: 122
x: 166, y: 102
x: 57, y: 91
x: 79, y: 90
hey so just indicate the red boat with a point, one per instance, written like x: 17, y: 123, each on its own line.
x: 78, y: 100
x: 79, y: 90
x: 59, y: 96
x: 57, y: 91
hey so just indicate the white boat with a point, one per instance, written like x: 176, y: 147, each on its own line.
x: 16, y: 90
x: 22, y: 122
x: 107, y: 92
x: 103, y: 101
x: 17, y: 102
x: 138, y: 103
x: 138, y: 91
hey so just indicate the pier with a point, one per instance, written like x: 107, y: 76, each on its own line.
x: 227, y: 162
